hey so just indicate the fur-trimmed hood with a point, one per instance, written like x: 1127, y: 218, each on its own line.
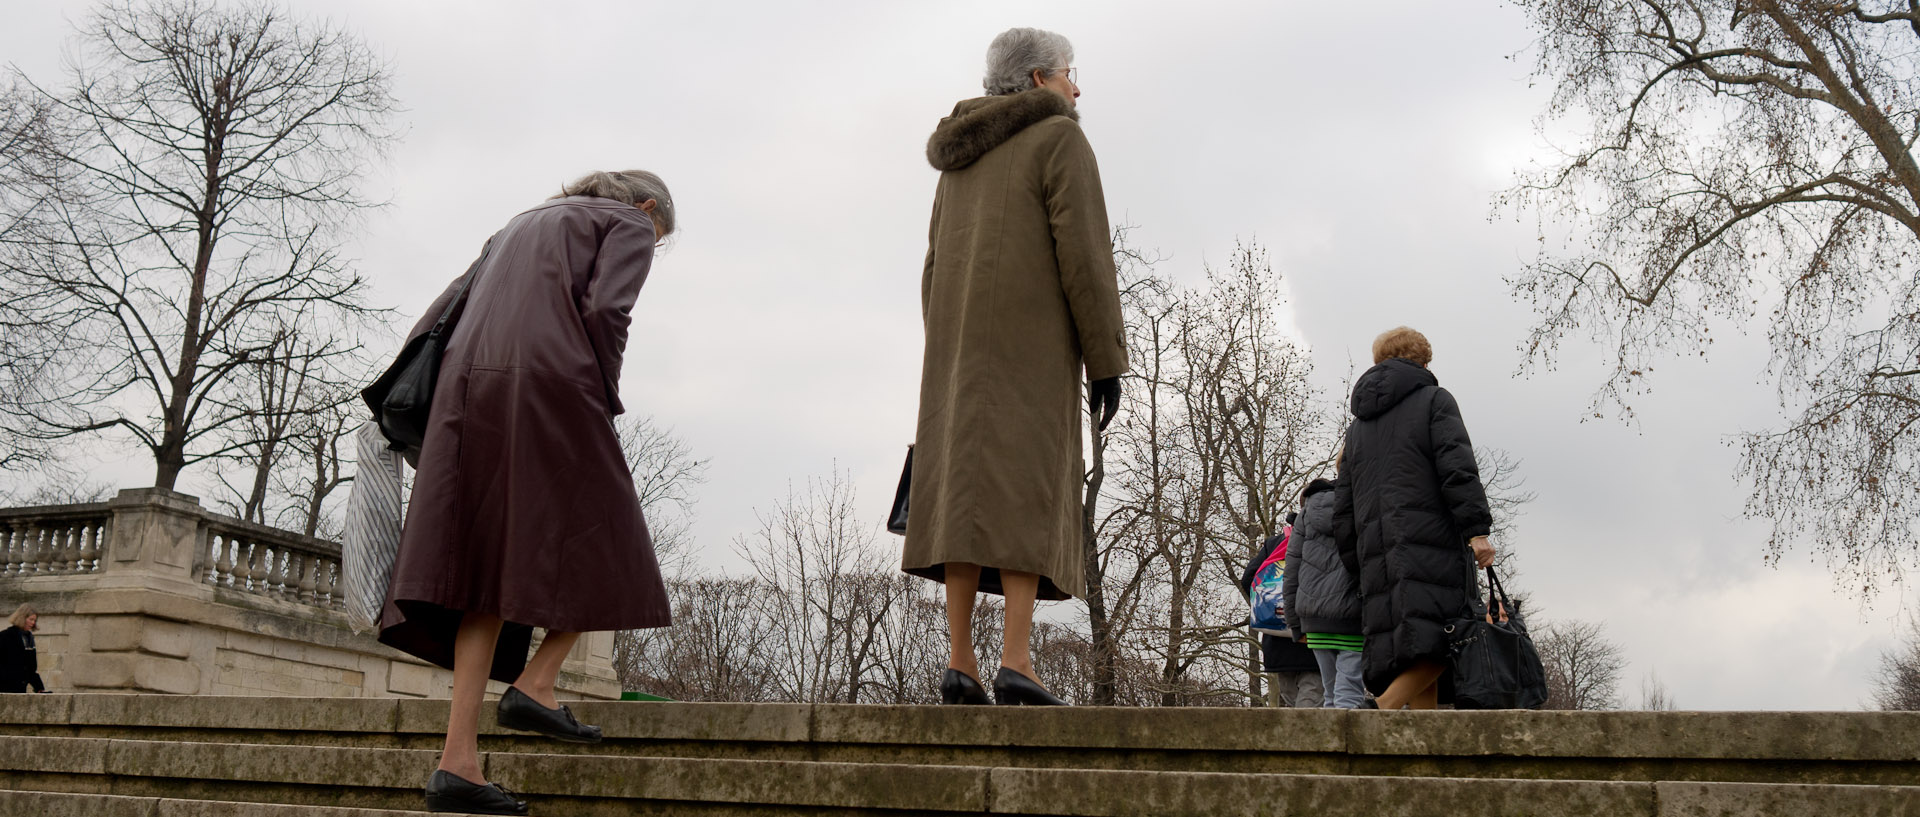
x: 980, y: 125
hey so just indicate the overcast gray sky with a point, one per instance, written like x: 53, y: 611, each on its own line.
x: 780, y: 335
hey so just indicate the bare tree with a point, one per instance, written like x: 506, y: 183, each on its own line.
x: 294, y: 403
x: 207, y: 161
x: 30, y: 349
x: 1140, y: 291
x: 1223, y: 428
x: 1896, y: 684
x: 1583, y: 667
x: 1750, y: 160
x: 1507, y: 493
x: 826, y: 585
x: 1654, y: 696
x: 52, y: 483
x: 716, y: 649
x: 665, y: 473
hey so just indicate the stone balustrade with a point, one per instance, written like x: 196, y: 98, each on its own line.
x: 52, y: 540
x: 149, y: 592
x: 272, y: 563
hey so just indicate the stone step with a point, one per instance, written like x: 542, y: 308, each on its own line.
x: 107, y: 778
x: 1852, y: 748
x: 63, y: 804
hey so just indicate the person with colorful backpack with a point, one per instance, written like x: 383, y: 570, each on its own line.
x: 1293, y: 675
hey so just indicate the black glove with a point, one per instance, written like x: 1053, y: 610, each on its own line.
x: 1103, y: 399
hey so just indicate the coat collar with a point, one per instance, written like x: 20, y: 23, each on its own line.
x: 980, y: 125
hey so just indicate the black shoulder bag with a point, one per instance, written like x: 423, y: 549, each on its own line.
x: 1495, y: 665
x: 401, y: 398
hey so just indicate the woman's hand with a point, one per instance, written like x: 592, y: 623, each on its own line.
x: 1482, y: 551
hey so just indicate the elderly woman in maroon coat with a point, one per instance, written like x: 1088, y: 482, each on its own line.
x: 523, y: 512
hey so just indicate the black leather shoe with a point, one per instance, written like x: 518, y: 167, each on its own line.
x: 450, y: 793
x: 1010, y: 688
x: 517, y: 711
x: 957, y: 687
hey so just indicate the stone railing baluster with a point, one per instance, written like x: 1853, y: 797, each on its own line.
x: 289, y: 584
x: 89, y: 550
x: 69, y: 561
x: 309, y: 565
x: 323, y: 584
x: 256, y: 567
x: 6, y: 548
x: 42, y: 549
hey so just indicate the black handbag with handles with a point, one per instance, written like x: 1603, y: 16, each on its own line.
x: 402, y: 397
x: 897, y: 518
x: 1495, y: 665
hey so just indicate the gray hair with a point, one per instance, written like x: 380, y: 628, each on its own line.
x: 1017, y: 53
x: 628, y: 187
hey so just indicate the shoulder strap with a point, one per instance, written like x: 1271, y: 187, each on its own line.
x: 460, y: 297
x: 1497, y: 599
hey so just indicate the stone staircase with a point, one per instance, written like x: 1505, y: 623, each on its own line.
x: 206, y: 756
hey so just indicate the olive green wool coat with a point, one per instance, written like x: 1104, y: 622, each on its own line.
x: 1020, y: 299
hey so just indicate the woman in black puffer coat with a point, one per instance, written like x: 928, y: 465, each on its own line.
x: 1410, y: 519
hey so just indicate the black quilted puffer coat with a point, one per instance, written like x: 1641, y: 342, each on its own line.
x: 1408, y: 500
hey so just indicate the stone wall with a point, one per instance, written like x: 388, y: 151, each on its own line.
x: 149, y: 592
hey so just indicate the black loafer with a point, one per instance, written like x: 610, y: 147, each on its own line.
x: 957, y: 687
x: 517, y: 711
x: 1010, y: 688
x: 450, y: 793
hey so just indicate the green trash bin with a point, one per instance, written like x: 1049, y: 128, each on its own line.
x: 631, y: 695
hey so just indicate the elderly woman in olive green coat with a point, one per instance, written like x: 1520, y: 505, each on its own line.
x: 1019, y: 298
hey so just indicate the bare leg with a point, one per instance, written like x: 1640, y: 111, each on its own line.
x: 1016, y: 653
x: 1413, y: 686
x: 963, y: 581
x: 537, y: 679
x: 1428, y: 698
x: 472, y: 658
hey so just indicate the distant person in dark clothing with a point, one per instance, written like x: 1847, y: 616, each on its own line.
x: 1410, y: 519
x: 1293, y: 673
x: 19, y: 663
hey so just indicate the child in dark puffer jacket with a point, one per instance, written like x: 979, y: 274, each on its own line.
x: 1322, y: 599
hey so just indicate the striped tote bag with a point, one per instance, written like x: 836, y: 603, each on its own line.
x: 372, y: 538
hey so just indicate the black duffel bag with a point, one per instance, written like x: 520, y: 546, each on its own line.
x: 1495, y: 665
x: 402, y: 397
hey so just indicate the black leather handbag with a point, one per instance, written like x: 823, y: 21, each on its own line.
x: 1495, y: 665
x: 897, y: 518
x: 403, y: 396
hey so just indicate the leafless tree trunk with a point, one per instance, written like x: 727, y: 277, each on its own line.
x: 1138, y: 286
x: 291, y: 405
x: 1583, y: 667
x: 207, y: 158
x: 1750, y: 161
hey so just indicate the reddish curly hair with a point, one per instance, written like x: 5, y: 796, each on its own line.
x: 1402, y: 342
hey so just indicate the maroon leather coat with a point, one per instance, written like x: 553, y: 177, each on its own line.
x: 523, y: 505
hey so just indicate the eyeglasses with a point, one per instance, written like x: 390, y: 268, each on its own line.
x: 1073, y: 74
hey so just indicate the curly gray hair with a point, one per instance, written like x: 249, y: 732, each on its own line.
x: 628, y: 187
x: 1017, y: 53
